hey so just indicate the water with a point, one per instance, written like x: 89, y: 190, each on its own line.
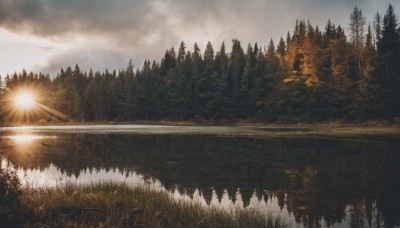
x: 309, y: 181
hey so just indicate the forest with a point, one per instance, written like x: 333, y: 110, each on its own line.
x: 336, y: 73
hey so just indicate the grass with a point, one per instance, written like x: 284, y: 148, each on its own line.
x: 118, y: 205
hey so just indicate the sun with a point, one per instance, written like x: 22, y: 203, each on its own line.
x: 24, y: 100
x: 29, y: 103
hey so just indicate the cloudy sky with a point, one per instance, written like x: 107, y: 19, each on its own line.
x: 45, y: 35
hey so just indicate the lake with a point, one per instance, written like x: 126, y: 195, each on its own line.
x: 308, y: 178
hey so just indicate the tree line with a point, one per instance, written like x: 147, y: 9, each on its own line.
x: 312, y: 74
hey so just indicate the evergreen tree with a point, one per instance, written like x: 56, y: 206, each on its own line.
x: 168, y: 62
x: 388, y: 54
x: 378, y: 27
x: 271, y: 86
x: 288, y: 39
x: 196, y: 99
x: 369, y: 84
x: 281, y: 49
x: 330, y: 30
x: 181, y: 53
x: 342, y: 85
x: 196, y: 56
x: 220, y: 103
x: 246, y: 105
x: 209, y: 57
x: 236, y: 70
x: 206, y: 84
x: 357, y: 23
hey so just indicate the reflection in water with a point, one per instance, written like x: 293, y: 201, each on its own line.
x: 52, y: 176
x: 27, y: 138
x: 310, y: 182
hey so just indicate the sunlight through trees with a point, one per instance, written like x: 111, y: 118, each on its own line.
x: 335, y: 73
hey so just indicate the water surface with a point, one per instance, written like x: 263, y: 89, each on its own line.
x: 310, y: 181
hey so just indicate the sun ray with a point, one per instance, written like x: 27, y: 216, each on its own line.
x: 52, y: 111
x: 29, y: 104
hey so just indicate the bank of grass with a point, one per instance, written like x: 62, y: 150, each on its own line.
x: 118, y: 205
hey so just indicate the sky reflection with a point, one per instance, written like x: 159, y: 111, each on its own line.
x: 25, y: 138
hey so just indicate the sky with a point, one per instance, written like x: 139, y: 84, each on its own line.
x: 46, y: 35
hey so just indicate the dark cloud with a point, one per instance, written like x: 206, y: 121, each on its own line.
x: 141, y: 18
x: 59, y: 17
x: 146, y: 28
x: 86, y: 57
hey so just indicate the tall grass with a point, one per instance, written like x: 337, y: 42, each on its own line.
x: 119, y: 205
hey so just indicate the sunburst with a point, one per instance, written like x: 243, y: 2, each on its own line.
x: 24, y: 100
x: 29, y: 104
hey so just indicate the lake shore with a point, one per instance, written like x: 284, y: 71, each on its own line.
x: 244, y: 129
x: 373, y: 123
x: 118, y: 205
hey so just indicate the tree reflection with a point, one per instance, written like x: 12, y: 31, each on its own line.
x: 315, y: 179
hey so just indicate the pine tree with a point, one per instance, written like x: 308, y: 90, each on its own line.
x: 369, y: 83
x: 220, y: 102
x: 197, y: 68
x: 329, y: 30
x: 288, y: 39
x: 261, y: 88
x: 378, y: 27
x: 342, y: 86
x: 209, y: 57
x: 236, y: 70
x: 168, y: 62
x: 281, y: 49
x: 196, y: 56
x: 245, y: 105
x: 388, y: 54
x: 270, y: 89
x: 130, y: 68
x: 206, y: 84
x: 181, y: 53
x: 357, y: 23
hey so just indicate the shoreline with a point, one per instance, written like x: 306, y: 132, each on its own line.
x: 338, y: 123
x: 261, y: 131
